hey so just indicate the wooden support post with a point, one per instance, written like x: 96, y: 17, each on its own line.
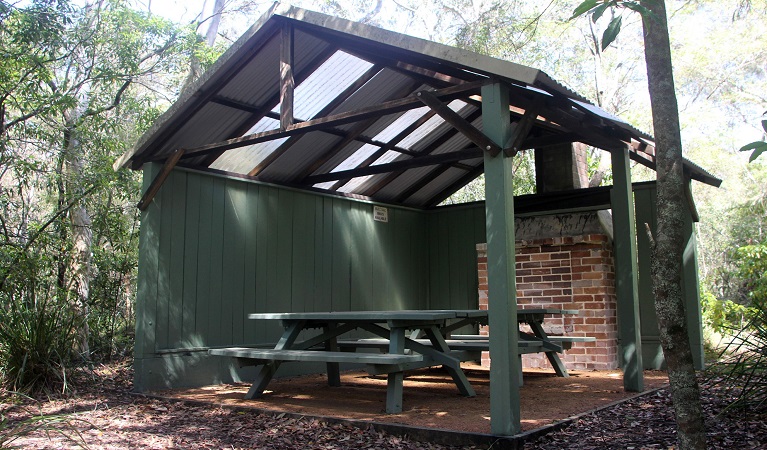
x: 158, y: 181
x: 287, y: 83
x: 626, y: 285
x: 502, y: 297
x: 691, y: 285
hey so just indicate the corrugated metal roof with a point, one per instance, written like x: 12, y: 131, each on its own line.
x: 358, y: 127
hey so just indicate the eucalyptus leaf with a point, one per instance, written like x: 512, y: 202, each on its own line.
x: 758, y: 151
x: 584, y: 7
x: 635, y: 6
x: 611, y: 32
x: 599, y: 10
x: 752, y: 146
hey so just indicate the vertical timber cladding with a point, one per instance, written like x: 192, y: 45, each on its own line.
x: 652, y: 353
x: 454, y: 233
x: 214, y: 249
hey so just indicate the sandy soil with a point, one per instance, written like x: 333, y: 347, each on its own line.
x: 430, y: 398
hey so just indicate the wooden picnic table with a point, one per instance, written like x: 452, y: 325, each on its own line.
x: 334, y: 324
x: 428, y: 343
x: 551, y: 346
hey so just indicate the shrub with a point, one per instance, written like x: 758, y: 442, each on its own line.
x: 36, y: 344
x: 742, y: 367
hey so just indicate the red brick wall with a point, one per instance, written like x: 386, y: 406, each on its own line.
x: 567, y: 273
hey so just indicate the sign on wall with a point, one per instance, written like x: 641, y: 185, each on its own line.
x: 380, y: 214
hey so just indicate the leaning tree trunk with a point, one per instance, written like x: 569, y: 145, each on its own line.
x: 81, y: 232
x: 668, y: 240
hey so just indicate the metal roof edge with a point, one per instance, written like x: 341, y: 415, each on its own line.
x: 470, y: 60
x: 210, y: 76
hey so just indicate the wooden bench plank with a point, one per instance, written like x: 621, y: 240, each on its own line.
x: 316, y: 356
x: 525, y: 346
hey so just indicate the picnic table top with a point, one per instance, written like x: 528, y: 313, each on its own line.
x: 363, y: 316
x: 398, y: 315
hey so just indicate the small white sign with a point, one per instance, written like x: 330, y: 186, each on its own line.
x: 380, y: 214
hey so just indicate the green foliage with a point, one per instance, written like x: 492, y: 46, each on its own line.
x: 752, y: 262
x: 62, y: 424
x: 758, y: 147
x: 78, y: 84
x: 722, y: 316
x: 743, y: 365
x: 36, y: 342
x: 597, y: 8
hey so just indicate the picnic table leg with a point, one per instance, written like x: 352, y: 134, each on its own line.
x: 266, y: 372
x: 556, y: 362
x: 459, y: 377
x: 395, y: 380
x: 334, y: 375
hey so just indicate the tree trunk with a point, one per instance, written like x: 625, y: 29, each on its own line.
x: 668, y: 246
x: 81, y: 233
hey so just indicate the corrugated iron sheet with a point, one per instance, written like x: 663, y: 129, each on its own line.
x: 241, y: 98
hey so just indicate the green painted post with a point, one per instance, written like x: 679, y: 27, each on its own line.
x: 691, y: 286
x: 626, y: 287
x: 146, y: 298
x: 502, y: 292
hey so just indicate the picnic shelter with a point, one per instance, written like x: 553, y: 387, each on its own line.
x: 304, y: 171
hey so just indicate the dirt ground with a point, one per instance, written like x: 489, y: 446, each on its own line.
x: 430, y: 397
x: 100, y: 412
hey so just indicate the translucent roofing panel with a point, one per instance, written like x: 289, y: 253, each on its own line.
x: 357, y: 157
x: 387, y: 157
x: 415, y: 137
x: 243, y: 160
x: 436, y: 186
x: 355, y: 183
x: 334, y: 76
x: 386, y: 135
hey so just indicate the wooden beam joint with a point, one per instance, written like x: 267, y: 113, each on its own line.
x: 458, y: 122
x: 158, y: 181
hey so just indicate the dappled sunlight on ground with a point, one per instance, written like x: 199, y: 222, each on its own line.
x: 430, y: 397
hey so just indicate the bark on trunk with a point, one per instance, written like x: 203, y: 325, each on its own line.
x: 81, y: 234
x: 668, y: 248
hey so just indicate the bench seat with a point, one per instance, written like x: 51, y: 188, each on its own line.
x: 565, y: 341
x: 316, y: 356
x: 454, y: 344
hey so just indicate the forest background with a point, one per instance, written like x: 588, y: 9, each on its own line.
x: 80, y: 81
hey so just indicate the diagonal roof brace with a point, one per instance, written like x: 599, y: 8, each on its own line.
x: 458, y: 122
x: 158, y: 181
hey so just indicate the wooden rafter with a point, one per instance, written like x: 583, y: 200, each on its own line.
x: 431, y: 148
x: 522, y: 129
x: 201, y: 100
x: 386, y: 108
x: 386, y: 147
x: 287, y: 83
x: 158, y: 181
x: 422, y: 161
x: 353, y: 135
x: 259, y: 113
x: 454, y: 119
x: 338, y: 100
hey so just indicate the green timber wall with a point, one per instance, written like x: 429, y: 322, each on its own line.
x: 214, y: 249
x: 652, y: 353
